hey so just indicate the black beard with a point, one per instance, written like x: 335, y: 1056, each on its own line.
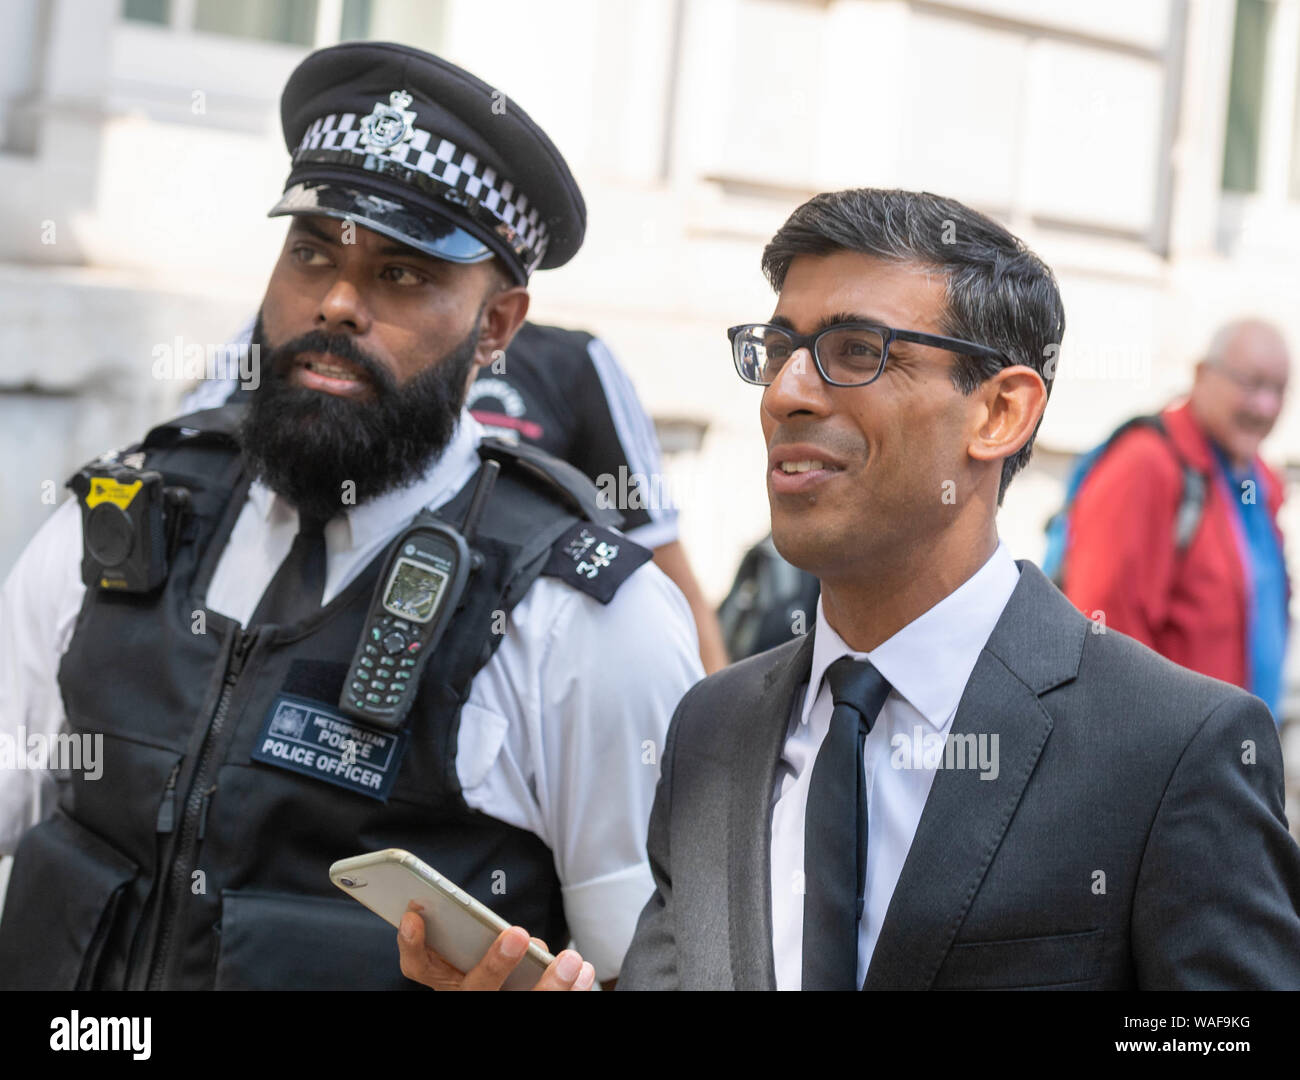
x: 306, y: 445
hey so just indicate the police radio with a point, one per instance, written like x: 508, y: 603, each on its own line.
x: 129, y: 525
x: 417, y: 594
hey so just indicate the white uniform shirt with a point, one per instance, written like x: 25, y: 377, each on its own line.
x: 928, y: 664
x: 562, y: 730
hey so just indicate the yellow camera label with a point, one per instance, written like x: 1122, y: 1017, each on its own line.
x: 103, y: 490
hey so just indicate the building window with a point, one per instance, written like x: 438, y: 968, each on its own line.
x: 355, y: 22
x: 1293, y: 180
x: 292, y: 22
x: 1246, y: 95
x: 150, y: 11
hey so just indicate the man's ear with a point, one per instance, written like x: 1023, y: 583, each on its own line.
x: 1013, y: 402
x: 502, y: 316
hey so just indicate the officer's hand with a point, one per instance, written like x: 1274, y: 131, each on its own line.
x: 568, y: 971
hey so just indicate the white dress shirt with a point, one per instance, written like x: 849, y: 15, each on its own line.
x: 927, y: 663
x: 562, y: 730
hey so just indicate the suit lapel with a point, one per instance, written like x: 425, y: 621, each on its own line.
x: 765, y: 720
x: 1035, y: 646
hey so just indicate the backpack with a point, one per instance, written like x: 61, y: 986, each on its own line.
x: 1190, y: 507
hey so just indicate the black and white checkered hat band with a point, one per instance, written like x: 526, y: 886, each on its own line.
x: 445, y: 162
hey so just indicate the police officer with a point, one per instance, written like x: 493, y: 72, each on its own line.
x: 420, y: 201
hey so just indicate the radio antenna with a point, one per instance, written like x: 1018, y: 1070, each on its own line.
x: 487, y: 477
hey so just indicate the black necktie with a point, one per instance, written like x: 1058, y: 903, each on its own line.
x: 835, y: 830
x: 299, y: 584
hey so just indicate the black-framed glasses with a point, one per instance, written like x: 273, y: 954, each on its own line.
x: 846, y: 354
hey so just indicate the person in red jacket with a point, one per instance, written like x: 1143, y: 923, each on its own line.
x: 1219, y: 606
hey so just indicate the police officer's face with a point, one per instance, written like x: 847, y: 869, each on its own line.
x: 880, y: 454
x: 367, y: 351
x: 402, y: 310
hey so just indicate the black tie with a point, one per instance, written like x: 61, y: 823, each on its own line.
x: 299, y: 584
x: 835, y: 830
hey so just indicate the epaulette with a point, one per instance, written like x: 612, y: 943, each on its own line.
x: 595, y: 560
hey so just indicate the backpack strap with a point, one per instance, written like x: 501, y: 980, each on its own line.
x: 1187, y: 518
x: 1191, y: 506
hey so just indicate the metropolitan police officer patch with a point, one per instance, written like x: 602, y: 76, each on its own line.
x: 316, y: 740
x: 594, y: 559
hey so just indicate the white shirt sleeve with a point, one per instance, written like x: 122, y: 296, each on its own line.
x: 595, y: 687
x: 39, y: 603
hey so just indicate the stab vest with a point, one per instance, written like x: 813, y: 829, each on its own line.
x: 187, y: 863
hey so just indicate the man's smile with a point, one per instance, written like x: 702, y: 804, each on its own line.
x: 797, y: 468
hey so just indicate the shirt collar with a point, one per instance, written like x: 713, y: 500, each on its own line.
x: 366, y: 521
x: 929, y: 661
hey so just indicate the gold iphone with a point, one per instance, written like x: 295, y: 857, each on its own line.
x: 456, y: 926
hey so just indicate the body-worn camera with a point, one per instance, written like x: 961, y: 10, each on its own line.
x: 129, y: 521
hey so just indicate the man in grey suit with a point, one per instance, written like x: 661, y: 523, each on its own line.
x: 955, y: 780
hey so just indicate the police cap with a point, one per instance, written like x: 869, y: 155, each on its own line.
x: 404, y: 143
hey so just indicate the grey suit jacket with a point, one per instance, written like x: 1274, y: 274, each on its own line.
x: 1134, y: 836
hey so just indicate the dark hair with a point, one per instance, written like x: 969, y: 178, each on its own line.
x: 503, y: 277
x: 999, y: 292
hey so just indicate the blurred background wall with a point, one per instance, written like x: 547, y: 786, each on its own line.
x: 1150, y: 152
